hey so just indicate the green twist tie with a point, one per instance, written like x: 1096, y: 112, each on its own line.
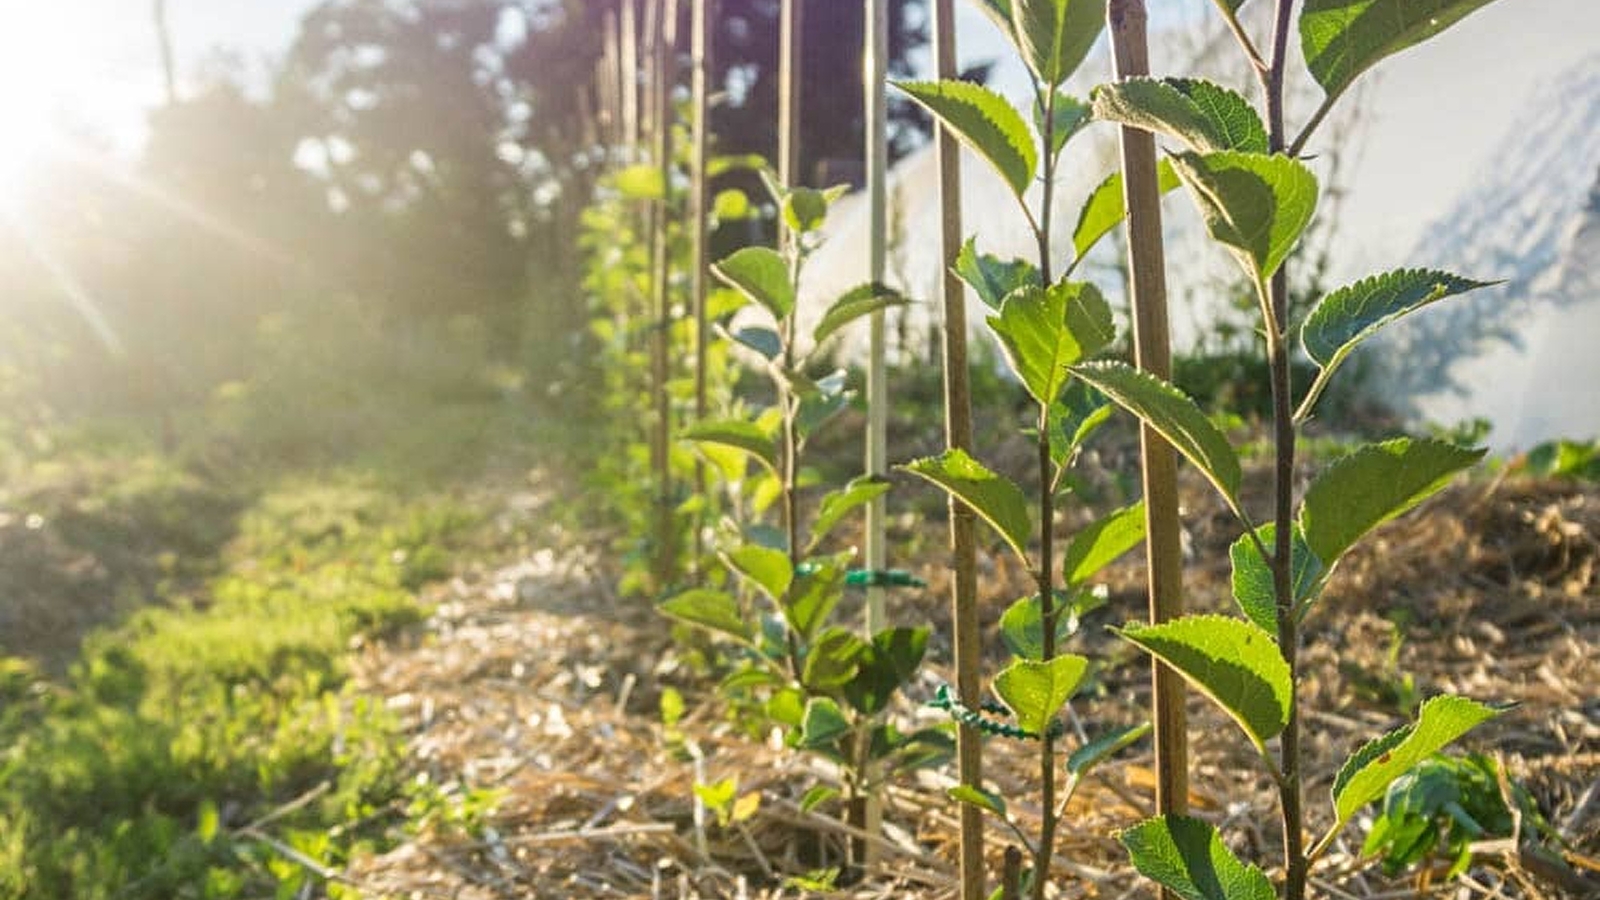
x: 882, y: 578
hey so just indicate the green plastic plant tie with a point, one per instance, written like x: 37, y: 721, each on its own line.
x: 882, y: 578
x: 944, y: 699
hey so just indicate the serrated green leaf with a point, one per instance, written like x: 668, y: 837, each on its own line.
x: 1368, y: 772
x: 765, y: 567
x: 976, y: 796
x: 1035, y: 691
x: 862, y: 300
x: 1099, y: 544
x: 1106, y: 207
x: 984, y: 121
x: 1043, y: 331
x: 804, y: 209
x: 995, y: 498
x: 1188, y: 857
x: 1075, y: 415
x: 814, y: 595
x: 1373, y: 485
x: 1174, y: 415
x: 1083, y: 760
x: 1068, y: 116
x: 1203, y: 115
x: 1252, y: 575
x: 823, y: 723
x: 1255, y: 205
x: 1233, y: 662
x: 762, y: 275
x: 991, y: 277
x: 1343, y: 38
x: 886, y: 664
x: 837, y: 504
x: 740, y: 435
x: 1055, y: 35
x: 1351, y: 314
x: 832, y: 659
x: 715, y: 610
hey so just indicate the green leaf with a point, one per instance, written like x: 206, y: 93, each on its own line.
x: 984, y: 121
x: 1351, y: 314
x: 714, y: 610
x: 1255, y: 205
x: 719, y: 795
x: 1373, y: 485
x: 1035, y: 691
x: 1074, y: 416
x: 1043, y: 331
x: 762, y: 275
x: 1174, y: 415
x: 1233, y: 662
x: 990, y: 276
x: 823, y: 723
x: 837, y: 504
x: 1056, y: 34
x: 640, y: 182
x: 209, y: 822
x: 1022, y: 624
x: 731, y: 205
x: 804, y: 209
x: 787, y: 707
x: 1106, y: 207
x: 995, y: 498
x: 1368, y: 772
x: 817, y: 796
x: 859, y: 301
x: 738, y: 434
x: 886, y: 665
x: 764, y: 341
x: 1252, y: 575
x: 1098, y: 544
x: 1068, y: 117
x: 1102, y: 748
x: 832, y: 659
x: 765, y: 567
x: 1343, y: 38
x: 814, y: 595
x: 1203, y: 115
x: 1188, y: 857
x: 976, y: 796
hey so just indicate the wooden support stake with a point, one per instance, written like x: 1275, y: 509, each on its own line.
x: 958, y: 436
x: 664, y: 17
x: 1152, y: 352
x: 703, y: 14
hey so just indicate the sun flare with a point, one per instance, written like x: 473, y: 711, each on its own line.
x: 43, y: 83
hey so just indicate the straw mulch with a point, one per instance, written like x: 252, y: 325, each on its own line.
x: 537, y: 681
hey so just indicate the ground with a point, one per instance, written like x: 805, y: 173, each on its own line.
x: 531, y: 697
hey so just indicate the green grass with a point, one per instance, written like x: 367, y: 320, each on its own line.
x: 221, y: 584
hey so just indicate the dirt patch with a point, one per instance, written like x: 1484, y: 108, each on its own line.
x: 535, y: 680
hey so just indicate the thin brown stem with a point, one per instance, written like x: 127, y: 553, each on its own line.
x: 1295, y: 862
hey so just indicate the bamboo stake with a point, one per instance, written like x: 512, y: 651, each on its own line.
x: 789, y: 49
x: 700, y: 53
x: 664, y: 15
x: 958, y: 435
x: 610, y: 83
x: 630, y: 80
x: 876, y: 72
x: 1152, y: 352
